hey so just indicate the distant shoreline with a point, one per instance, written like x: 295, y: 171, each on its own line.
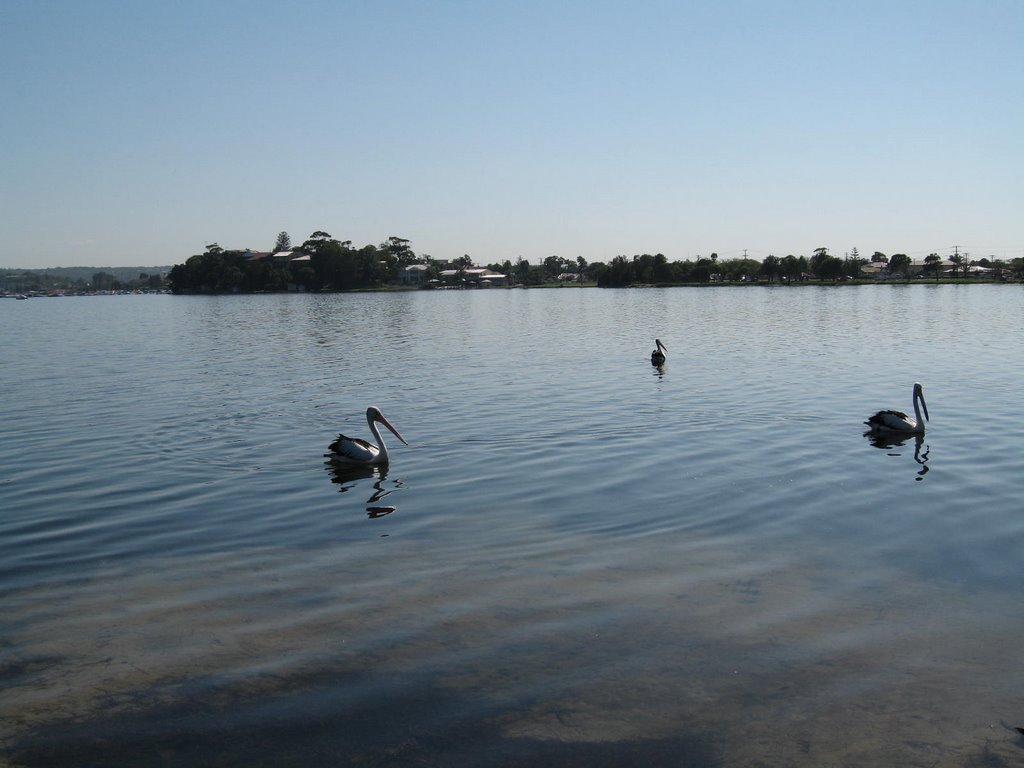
x: 546, y: 286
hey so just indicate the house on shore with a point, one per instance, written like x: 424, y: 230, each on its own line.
x: 922, y: 268
x: 413, y: 274
x: 475, y: 277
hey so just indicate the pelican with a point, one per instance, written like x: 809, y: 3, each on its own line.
x: 897, y: 421
x: 352, y: 450
x: 658, y: 355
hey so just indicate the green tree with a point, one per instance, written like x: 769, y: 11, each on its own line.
x: 230, y: 278
x: 284, y: 243
x: 522, y: 270
x: 831, y: 268
x: 794, y: 267
x: 899, y: 263
x: 821, y: 255
x: 594, y: 269
x: 618, y: 274
x: 701, y: 271
x: 853, y: 263
x: 932, y: 262
x: 553, y: 267
x: 398, y: 248
x: 315, y: 241
x: 771, y: 268
x: 740, y: 270
x: 306, y: 277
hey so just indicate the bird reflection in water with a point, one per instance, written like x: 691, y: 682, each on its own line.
x: 890, y: 440
x: 348, y: 477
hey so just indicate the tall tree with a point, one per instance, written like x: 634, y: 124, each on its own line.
x: 831, y: 268
x: 821, y: 255
x: 399, y: 249
x: 553, y: 267
x: 770, y: 267
x: 794, y: 267
x: 899, y: 263
x: 853, y: 263
x: 284, y: 242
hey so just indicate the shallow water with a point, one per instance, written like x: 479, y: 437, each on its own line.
x: 579, y: 560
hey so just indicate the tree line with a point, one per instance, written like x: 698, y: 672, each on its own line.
x: 334, y: 264
x: 331, y: 264
x: 82, y: 279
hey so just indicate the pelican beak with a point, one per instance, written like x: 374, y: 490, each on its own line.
x: 660, y: 345
x: 924, y: 407
x: 380, y: 418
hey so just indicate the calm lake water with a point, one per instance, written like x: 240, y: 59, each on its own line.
x: 580, y: 559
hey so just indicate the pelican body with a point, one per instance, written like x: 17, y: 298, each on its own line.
x: 897, y: 421
x: 352, y: 450
x: 658, y: 355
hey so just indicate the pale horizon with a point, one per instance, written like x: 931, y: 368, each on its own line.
x: 138, y: 134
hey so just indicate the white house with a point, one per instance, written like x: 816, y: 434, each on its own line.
x: 476, y: 275
x: 413, y: 274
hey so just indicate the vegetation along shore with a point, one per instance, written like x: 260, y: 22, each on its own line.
x: 323, y: 263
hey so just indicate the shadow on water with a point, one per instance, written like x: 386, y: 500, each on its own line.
x: 300, y: 721
x: 348, y: 478
x: 889, y: 442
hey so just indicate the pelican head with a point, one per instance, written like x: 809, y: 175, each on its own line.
x: 373, y: 414
x: 919, y: 395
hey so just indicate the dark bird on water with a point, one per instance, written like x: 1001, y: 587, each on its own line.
x: 890, y: 422
x: 658, y: 355
x: 353, y: 450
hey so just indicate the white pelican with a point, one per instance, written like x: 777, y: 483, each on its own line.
x: 352, y: 450
x: 658, y: 355
x: 897, y: 421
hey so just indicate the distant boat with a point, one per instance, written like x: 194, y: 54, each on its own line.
x: 21, y: 297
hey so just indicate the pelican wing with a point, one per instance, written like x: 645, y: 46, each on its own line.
x: 890, y: 420
x: 353, y: 449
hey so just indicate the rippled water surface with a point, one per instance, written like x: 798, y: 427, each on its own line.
x: 579, y: 560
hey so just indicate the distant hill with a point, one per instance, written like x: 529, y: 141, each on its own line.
x: 124, y: 274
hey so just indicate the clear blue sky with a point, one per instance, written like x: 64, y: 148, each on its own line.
x: 134, y: 132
